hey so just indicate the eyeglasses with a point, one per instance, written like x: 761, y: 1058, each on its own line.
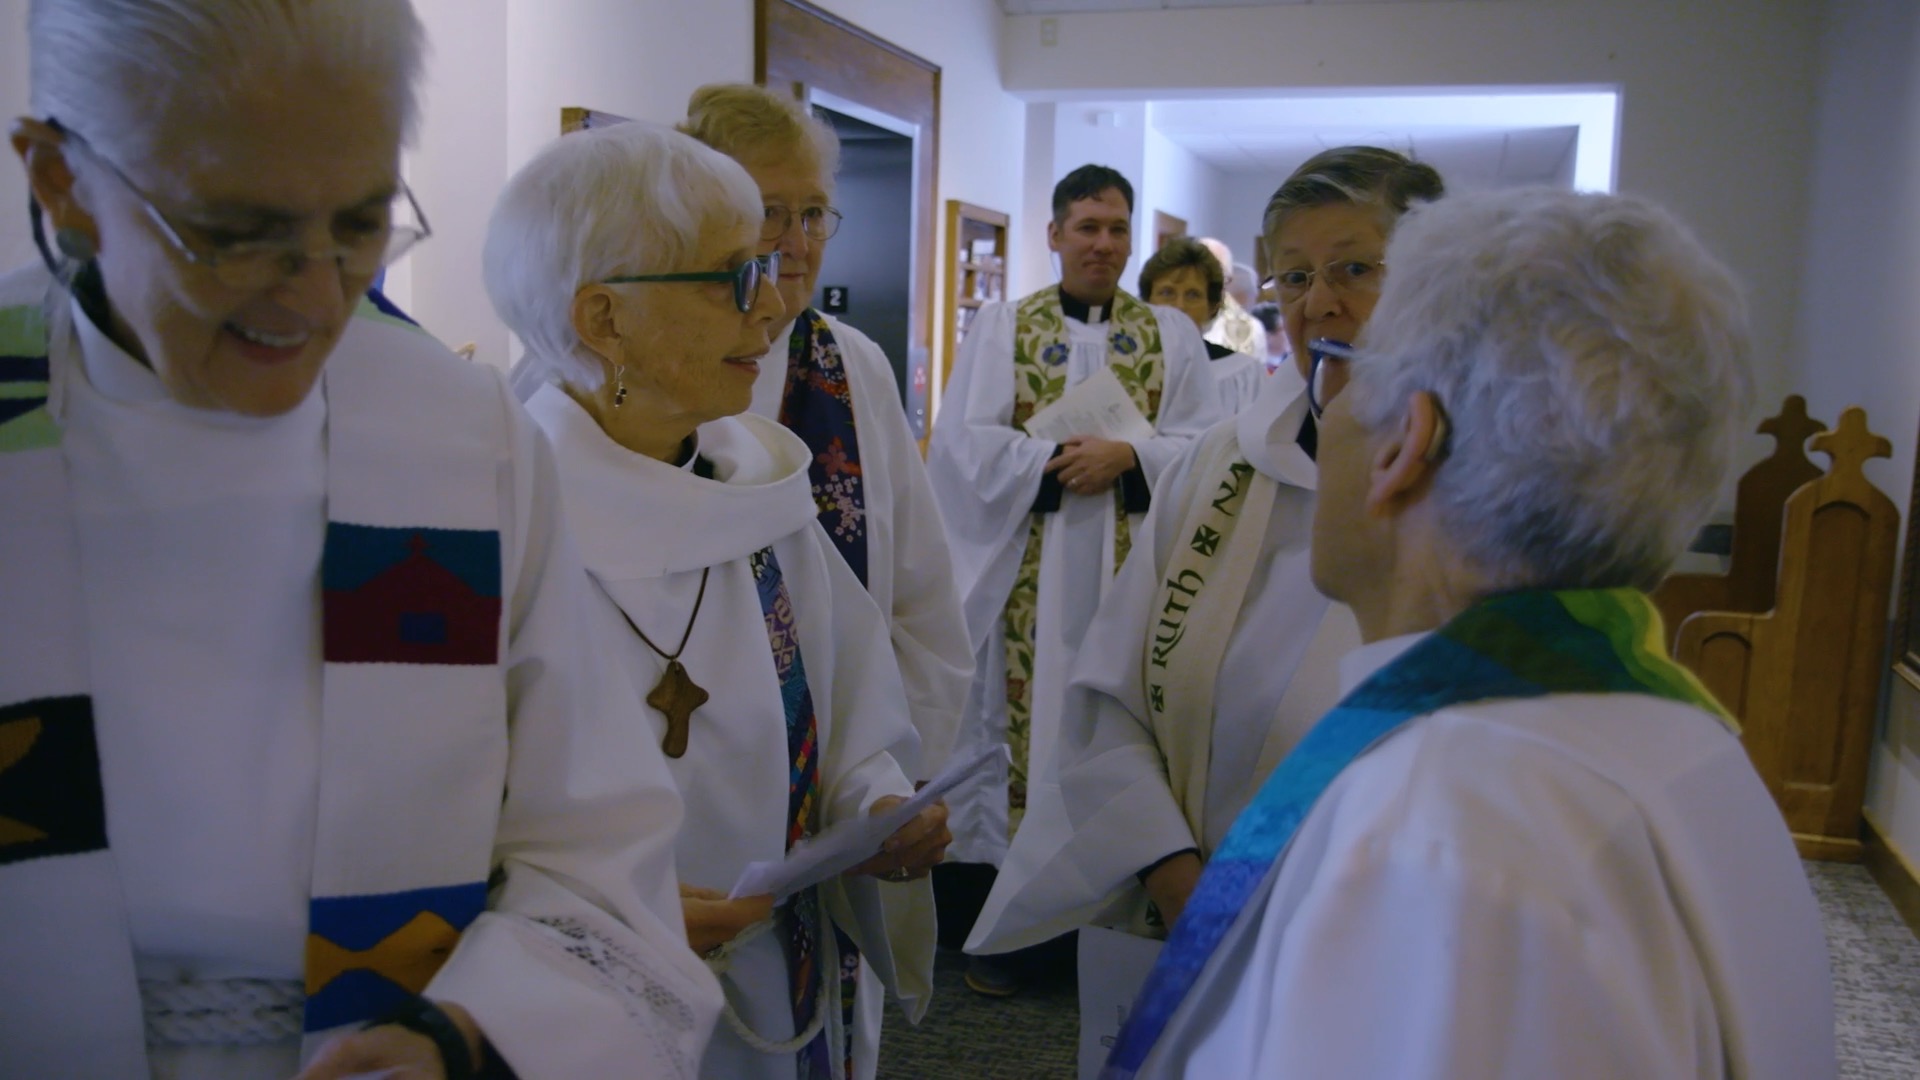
x: 817, y: 222
x: 364, y: 244
x: 1329, y: 373
x: 1342, y: 275
x: 746, y: 278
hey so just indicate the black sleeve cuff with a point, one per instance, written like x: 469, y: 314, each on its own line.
x: 1134, y: 493
x: 1158, y: 863
x: 1047, y: 501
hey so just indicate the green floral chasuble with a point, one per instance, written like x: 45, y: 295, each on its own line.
x: 1041, y: 346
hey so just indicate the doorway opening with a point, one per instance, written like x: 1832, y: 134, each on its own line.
x: 867, y: 275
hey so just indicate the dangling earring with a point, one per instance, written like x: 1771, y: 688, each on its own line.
x: 75, y: 244
x: 619, y: 386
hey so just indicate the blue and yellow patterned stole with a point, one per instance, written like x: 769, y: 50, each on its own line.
x: 1518, y: 645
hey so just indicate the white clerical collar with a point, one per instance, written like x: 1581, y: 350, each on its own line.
x: 1074, y: 308
x: 1359, y: 665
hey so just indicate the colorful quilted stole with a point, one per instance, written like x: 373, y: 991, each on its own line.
x: 818, y: 406
x: 1518, y: 645
x: 1041, y: 346
x: 803, y: 920
x: 411, y: 610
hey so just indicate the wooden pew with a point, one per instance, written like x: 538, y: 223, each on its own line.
x: 1804, y: 677
x: 1754, y: 565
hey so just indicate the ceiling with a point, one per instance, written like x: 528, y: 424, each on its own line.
x: 1071, y: 7
x: 1476, y: 140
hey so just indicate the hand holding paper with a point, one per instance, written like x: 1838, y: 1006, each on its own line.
x: 849, y: 844
x: 916, y: 848
x: 1097, y: 406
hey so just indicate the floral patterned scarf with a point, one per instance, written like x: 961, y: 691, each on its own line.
x: 818, y: 406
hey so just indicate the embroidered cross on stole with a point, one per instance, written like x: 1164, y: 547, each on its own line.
x: 1041, y: 346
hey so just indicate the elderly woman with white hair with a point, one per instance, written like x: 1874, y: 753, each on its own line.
x: 1525, y: 842
x: 301, y: 728
x: 625, y: 258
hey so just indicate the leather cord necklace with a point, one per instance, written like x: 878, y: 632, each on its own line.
x: 676, y: 695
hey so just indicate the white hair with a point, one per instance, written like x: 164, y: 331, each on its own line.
x: 632, y: 198
x: 116, y: 70
x: 1240, y: 284
x: 1593, y: 360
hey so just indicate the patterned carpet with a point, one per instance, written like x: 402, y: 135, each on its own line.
x: 1876, y: 975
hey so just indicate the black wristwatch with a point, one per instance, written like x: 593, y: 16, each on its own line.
x: 417, y: 1014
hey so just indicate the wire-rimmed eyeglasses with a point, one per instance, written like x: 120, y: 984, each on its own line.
x: 746, y: 278
x: 1341, y: 275
x: 366, y: 239
x: 819, y: 223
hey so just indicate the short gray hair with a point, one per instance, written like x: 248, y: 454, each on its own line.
x: 633, y: 198
x: 1593, y: 360
x: 113, y: 70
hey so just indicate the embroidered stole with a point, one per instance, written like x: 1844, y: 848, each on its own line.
x: 1195, y: 608
x: 411, y: 612
x: 806, y: 959
x: 1518, y: 645
x: 1041, y: 346
x: 818, y: 406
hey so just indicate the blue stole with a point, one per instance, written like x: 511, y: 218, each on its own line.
x: 1517, y: 645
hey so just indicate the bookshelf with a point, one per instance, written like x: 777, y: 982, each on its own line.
x: 977, y: 275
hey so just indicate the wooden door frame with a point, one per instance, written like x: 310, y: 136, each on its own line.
x: 1166, y: 227
x: 797, y: 46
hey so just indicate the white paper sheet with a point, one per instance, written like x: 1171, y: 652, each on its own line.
x: 1114, y: 965
x: 850, y: 843
x: 1096, y: 405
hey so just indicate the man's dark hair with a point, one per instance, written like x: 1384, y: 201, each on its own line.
x: 1087, y: 182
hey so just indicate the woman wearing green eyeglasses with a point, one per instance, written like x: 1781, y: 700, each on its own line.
x: 1207, y: 662
x: 625, y: 259
x: 303, y: 766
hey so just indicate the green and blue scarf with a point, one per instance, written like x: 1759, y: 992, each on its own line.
x: 1517, y: 645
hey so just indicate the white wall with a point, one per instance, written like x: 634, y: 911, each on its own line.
x: 643, y: 58
x: 1175, y: 181
x: 1859, y: 339
x: 1716, y: 116
x: 456, y: 167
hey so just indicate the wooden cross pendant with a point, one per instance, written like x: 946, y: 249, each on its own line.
x: 676, y: 696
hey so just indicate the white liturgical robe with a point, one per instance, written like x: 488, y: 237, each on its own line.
x: 200, y: 538
x: 1240, y: 377
x: 1575, y: 886
x: 986, y: 474
x: 649, y: 532
x: 1074, y: 860
x: 909, y: 569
